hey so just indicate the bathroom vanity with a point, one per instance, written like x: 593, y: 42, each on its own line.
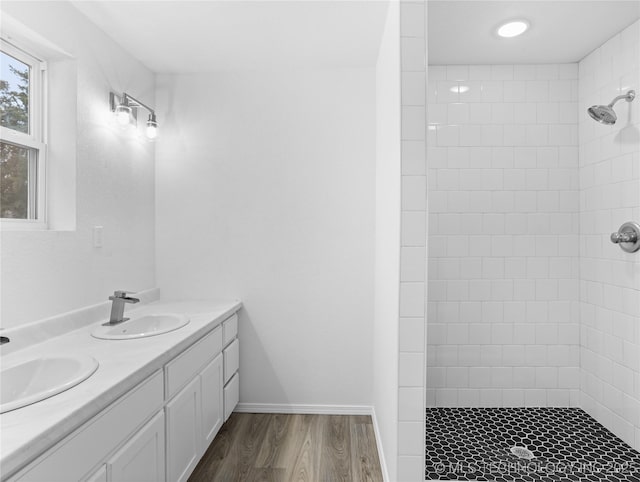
x: 149, y: 411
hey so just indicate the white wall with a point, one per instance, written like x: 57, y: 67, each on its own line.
x: 387, y: 240
x: 48, y: 272
x: 503, y: 224
x: 609, y: 277
x: 266, y: 192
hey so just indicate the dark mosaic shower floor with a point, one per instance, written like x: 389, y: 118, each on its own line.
x: 567, y: 445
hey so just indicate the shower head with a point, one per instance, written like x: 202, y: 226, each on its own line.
x: 605, y: 113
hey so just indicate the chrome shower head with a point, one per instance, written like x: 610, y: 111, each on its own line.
x: 605, y: 113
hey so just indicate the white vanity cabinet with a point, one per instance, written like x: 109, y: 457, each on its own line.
x: 159, y: 430
x: 194, y: 414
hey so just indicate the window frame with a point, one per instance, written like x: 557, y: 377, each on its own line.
x: 34, y: 140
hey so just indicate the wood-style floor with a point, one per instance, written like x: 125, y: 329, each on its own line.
x: 291, y: 448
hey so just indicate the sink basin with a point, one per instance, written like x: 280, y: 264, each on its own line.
x: 147, y: 325
x: 39, y: 378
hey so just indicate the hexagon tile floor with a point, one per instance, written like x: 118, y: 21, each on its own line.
x: 525, y: 444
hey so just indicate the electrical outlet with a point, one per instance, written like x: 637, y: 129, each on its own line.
x: 97, y: 237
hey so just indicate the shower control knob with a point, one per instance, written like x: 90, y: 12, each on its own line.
x: 623, y: 238
x: 627, y: 237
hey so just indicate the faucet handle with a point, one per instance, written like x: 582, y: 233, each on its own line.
x: 121, y: 294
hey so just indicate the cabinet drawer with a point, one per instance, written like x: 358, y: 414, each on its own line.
x: 187, y: 365
x: 231, y: 360
x: 230, y: 328
x: 75, y: 456
x: 231, y: 395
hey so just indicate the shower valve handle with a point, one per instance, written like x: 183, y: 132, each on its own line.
x: 627, y: 237
x: 623, y: 238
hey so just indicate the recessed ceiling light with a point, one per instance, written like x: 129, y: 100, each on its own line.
x: 513, y: 28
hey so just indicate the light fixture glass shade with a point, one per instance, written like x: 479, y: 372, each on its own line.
x: 152, y: 127
x: 123, y: 114
x: 513, y: 28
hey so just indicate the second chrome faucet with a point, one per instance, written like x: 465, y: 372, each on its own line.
x: 119, y: 299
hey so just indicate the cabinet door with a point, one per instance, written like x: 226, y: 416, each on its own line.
x: 141, y: 459
x: 184, y: 437
x: 212, y: 400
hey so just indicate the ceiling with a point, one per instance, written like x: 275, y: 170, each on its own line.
x: 462, y: 32
x: 205, y: 36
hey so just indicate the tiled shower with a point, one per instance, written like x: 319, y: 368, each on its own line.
x: 529, y: 303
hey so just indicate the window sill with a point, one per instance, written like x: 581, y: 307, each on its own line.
x: 22, y: 225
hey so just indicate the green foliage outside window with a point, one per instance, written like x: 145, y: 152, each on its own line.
x: 14, y: 160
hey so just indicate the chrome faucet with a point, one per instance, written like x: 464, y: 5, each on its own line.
x: 119, y: 298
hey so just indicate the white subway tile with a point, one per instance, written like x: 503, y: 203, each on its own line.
x: 524, y: 113
x: 412, y: 54
x: 413, y: 229
x: 414, y: 193
x: 458, y: 113
x: 410, y: 438
x: 449, y: 135
x: 479, y: 72
x: 502, y: 72
x: 492, y: 91
x: 410, y: 369
x: 412, y: 299
x: 410, y: 468
x: 413, y: 88
x: 547, y: 71
x: 537, y: 91
x: 535, y: 398
x: 410, y: 404
x: 413, y: 157
x: 479, y: 112
x: 412, y: 20
x: 458, y: 72
x: 413, y: 123
x: 524, y: 72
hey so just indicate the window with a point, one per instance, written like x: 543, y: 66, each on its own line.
x: 22, y: 136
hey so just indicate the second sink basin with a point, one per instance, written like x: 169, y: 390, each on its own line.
x: 141, y: 327
x: 38, y: 378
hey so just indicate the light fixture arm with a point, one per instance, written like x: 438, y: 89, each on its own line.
x: 133, y: 102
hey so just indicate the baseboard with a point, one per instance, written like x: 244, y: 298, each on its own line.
x: 383, y: 462
x: 303, y: 409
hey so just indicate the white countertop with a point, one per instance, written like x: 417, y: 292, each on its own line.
x: 27, y: 432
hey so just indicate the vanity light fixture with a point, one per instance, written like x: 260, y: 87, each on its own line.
x: 123, y: 114
x: 152, y: 126
x: 513, y: 28
x: 125, y: 108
